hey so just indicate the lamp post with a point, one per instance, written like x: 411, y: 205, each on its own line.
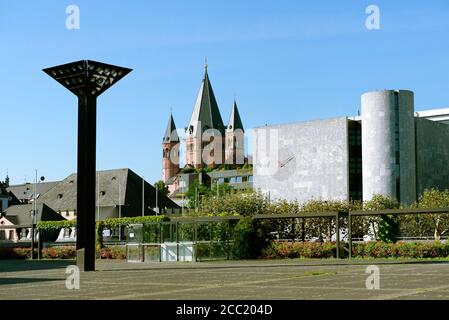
x: 33, y: 228
x: 181, y: 184
x: 143, y: 196
x: 39, y: 232
x: 86, y: 79
x: 119, y: 211
x: 157, y: 206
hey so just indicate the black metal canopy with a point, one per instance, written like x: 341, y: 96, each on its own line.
x: 87, y: 77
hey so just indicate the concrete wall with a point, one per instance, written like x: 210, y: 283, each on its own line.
x: 379, y: 147
x: 301, y: 161
x: 432, y: 145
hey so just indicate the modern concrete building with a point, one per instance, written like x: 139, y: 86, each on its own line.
x: 388, y: 144
x: 388, y: 150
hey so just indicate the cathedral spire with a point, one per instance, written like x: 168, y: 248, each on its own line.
x: 170, y: 133
x: 206, y: 114
x: 235, y: 122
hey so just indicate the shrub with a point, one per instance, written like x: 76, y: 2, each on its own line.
x: 299, y: 250
x: 64, y: 252
x: 250, y: 237
x: 115, y: 252
x: 388, y: 225
x: 118, y: 252
x: 282, y: 250
x: 401, y: 250
x: 15, y: 253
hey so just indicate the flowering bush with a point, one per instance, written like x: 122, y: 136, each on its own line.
x: 360, y: 250
x: 64, y: 252
x: 299, y: 250
x: 113, y: 253
x: 401, y: 250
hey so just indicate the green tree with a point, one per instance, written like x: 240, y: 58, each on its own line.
x: 434, y: 198
x: 161, y: 187
x: 250, y: 237
x: 196, y: 194
x: 326, y: 227
x: 245, y: 203
x: 387, y: 225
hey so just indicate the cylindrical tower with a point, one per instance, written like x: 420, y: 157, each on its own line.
x: 388, y: 145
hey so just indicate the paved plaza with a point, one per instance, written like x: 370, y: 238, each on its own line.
x: 257, y: 279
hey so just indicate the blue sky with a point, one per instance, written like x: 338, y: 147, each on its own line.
x: 284, y: 60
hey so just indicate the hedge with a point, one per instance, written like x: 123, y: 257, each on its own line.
x: 62, y: 252
x: 15, y: 253
x: 299, y: 250
x: 55, y: 225
x: 360, y: 250
x: 429, y: 249
x: 107, y: 223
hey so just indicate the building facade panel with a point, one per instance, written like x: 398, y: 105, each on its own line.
x: 432, y: 144
x: 301, y: 161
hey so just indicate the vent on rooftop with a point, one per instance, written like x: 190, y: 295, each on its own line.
x: 59, y: 195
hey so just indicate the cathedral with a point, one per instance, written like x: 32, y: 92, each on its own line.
x: 208, y: 142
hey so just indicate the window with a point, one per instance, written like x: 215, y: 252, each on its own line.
x: 66, y: 233
x: 60, y: 196
x: 250, y: 178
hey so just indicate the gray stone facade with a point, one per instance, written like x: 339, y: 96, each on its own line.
x: 300, y: 161
x: 432, y: 144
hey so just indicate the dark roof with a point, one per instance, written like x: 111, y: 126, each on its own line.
x: 3, y: 191
x: 63, y: 196
x: 21, y: 214
x: 170, y: 133
x: 235, y: 122
x: 205, y: 111
x: 25, y: 191
x: 12, y: 219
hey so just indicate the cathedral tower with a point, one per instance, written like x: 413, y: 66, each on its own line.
x: 235, y: 148
x: 170, y: 151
